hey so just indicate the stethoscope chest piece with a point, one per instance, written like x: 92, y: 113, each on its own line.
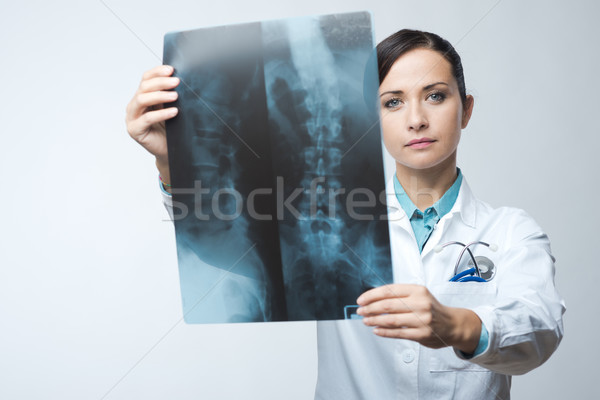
x: 479, y: 268
x: 487, y: 269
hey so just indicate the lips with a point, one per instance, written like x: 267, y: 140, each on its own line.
x: 421, y: 142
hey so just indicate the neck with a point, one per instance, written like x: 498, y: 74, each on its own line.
x: 426, y: 186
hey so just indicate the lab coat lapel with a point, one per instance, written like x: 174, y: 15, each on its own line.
x: 406, y: 259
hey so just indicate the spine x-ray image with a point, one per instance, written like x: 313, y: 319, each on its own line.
x: 275, y: 144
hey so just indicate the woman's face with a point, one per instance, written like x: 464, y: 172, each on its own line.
x: 421, y: 111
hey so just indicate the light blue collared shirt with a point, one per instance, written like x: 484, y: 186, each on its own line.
x: 423, y: 222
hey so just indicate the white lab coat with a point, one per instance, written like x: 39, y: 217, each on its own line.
x: 520, y: 308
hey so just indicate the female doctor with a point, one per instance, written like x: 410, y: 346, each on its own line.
x: 423, y: 337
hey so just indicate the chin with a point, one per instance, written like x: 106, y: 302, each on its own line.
x: 426, y: 163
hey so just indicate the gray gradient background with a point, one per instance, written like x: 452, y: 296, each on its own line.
x: 89, y: 292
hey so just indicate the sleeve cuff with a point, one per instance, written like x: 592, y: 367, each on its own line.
x: 484, y: 339
x: 162, y: 188
x: 167, y: 199
x: 487, y: 337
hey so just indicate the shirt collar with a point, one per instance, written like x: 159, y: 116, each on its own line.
x: 443, y: 206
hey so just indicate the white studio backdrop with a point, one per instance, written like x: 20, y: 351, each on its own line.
x: 89, y: 291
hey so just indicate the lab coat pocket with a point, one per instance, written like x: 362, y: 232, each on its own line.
x: 445, y: 360
x: 464, y: 294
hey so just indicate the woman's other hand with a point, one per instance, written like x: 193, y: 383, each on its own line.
x: 146, y: 114
x: 411, y: 312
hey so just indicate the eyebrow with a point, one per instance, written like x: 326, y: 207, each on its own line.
x: 424, y: 88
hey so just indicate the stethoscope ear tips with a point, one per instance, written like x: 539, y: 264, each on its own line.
x: 493, y: 247
x: 438, y: 248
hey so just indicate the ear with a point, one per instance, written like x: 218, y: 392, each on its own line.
x: 467, y: 111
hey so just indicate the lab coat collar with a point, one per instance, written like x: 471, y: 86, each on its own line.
x: 395, y: 210
x: 465, y: 204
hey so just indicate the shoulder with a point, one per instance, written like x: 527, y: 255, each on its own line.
x: 514, y: 224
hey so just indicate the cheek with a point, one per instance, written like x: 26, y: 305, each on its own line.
x: 390, y: 132
x: 449, y: 121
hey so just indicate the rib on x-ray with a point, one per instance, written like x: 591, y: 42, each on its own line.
x: 276, y: 169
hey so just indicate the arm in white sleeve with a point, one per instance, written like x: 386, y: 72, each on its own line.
x: 525, y: 323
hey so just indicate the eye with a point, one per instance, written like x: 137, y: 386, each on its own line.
x: 392, y: 103
x: 437, y: 97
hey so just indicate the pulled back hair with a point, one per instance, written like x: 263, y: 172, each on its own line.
x: 405, y: 40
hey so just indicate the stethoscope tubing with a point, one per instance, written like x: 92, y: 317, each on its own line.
x: 467, y: 275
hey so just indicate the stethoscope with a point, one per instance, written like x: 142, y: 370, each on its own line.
x: 481, y: 269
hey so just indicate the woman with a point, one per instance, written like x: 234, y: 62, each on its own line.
x: 424, y: 336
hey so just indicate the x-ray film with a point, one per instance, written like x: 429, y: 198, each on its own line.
x: 276, y: 169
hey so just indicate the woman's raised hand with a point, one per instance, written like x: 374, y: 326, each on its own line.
x: 146, y: 114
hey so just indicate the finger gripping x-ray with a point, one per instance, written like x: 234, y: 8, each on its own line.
x: 272, y: 150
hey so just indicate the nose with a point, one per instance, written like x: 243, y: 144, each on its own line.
x: 417, y: 120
